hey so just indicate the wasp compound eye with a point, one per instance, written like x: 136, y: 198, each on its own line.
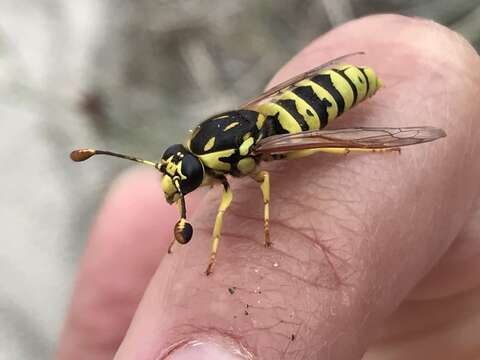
x: 183, y: 231
x: 193, y: 171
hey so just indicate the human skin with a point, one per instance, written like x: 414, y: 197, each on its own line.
x: 375, y: 254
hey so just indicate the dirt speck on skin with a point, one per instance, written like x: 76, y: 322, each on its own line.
x: 232, y: 290
x: 292, y: 337
x: 246, y: 312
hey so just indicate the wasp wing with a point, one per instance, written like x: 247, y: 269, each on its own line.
x: 359, y: 138
x: 286, y: 85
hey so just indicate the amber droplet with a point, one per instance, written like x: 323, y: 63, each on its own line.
x: 81, y: 154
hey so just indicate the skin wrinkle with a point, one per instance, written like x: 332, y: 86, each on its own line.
x: 294, y: 230
x: 452, y: 337
x: 327, y: 253
x: 469, y: 234
x: 314, y: 210
x: 456, y: 310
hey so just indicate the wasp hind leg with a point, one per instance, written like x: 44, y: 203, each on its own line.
x: 334, y: 150
x: 227, y: 197
x: 263, y: 177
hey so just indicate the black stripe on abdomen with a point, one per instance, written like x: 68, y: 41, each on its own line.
x: 291, y: 107
x: 320, y: 106
x: 366, y: 79
x: 272, y: 126
x: 325, y: 82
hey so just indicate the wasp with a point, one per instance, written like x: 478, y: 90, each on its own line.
x: 285, y: 122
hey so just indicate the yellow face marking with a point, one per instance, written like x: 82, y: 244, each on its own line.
x: 246, y: 136
x: 332, y: 110
x: 179, y: 171
x: 209, y: 144
x: 246, y: 165
x: 245, y: 147
x: 231, y: 126
x: 167, y: 186
x: 171, y: 167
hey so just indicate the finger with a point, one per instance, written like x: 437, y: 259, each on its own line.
x: 351, y: 236
x: 131, y: 235
x: 439, y: 318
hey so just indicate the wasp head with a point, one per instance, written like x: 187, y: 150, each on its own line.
x: 182, y: 172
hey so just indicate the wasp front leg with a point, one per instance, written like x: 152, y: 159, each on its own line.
x: 227, y: 197
x: 263, y: 177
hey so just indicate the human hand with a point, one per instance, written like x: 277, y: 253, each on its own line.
x: 369, y: 251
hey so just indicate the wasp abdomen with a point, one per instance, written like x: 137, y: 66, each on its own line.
x: 312, y: 103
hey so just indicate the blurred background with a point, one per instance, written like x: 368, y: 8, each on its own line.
x: 127, y: 76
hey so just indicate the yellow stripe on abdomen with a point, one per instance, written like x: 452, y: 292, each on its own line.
x: 308, y: 113
x: 357, y: 78
x: 285, y: 120
x: 343, y: 87
x: 374, y: 83
x: 321, y: 100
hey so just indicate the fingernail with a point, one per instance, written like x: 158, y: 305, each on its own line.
x: 209, y: 348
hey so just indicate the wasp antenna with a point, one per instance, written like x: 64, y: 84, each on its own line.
x: 84, y: 154
x: 81, y: 154
x: 183, y: 230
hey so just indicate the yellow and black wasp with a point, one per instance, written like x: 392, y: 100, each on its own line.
x: 285, y: 122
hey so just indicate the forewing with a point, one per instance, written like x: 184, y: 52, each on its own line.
x: 286, y: 85
x: 359, y: 138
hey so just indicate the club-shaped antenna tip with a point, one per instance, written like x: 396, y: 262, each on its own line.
x: 183, y: 231
x: 81, y: 154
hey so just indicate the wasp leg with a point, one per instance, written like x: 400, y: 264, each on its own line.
x: 263, y: 177
x: 340, y: 151
x: 227, y: 197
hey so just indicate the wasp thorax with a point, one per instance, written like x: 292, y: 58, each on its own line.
x: 183, y: 172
